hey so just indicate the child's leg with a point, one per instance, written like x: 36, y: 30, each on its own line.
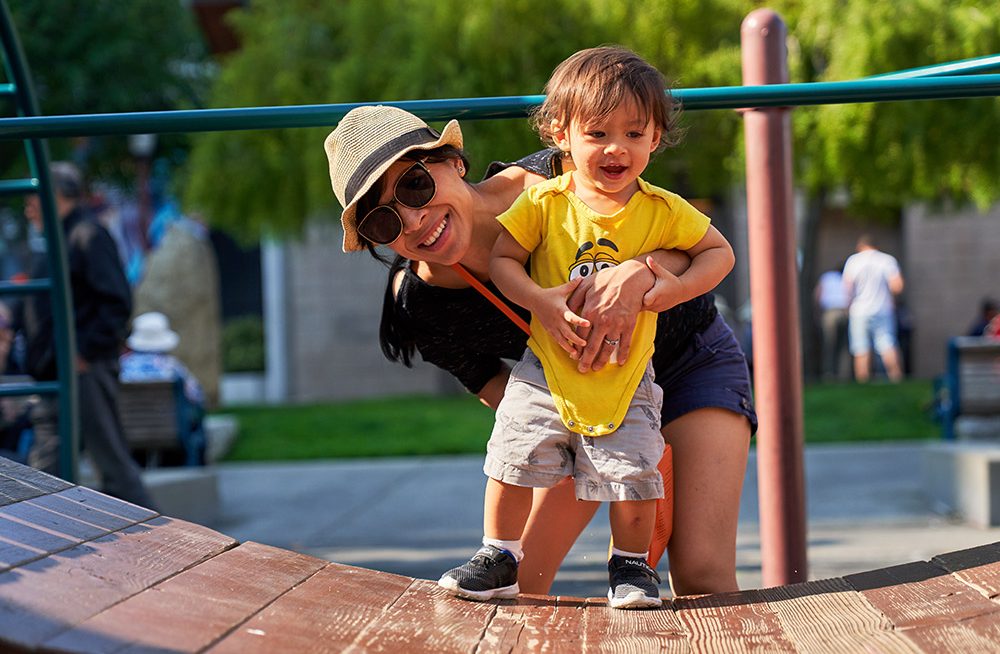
x: 633, y: 583
x: 632, y: 524
x: 492, y: 571
x: 505, y: 510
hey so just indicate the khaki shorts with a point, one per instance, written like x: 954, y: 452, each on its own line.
x: 530, y: 446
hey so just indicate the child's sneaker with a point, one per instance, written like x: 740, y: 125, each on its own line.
x: 634, y: 584
x: 491, y: 572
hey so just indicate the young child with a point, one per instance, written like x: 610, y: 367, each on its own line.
x: 607, y: 109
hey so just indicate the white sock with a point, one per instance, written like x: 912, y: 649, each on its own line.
x: 512, y: 546
x: 630, y: 555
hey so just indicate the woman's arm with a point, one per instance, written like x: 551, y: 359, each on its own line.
x: 612, y: 299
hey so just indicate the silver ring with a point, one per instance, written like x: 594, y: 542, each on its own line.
x: 612, y: 343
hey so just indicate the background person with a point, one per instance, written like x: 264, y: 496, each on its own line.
x: 831, y: 301
x: 102, y: 303
x: 988, y: 310
x: 430, y: 308
x: 871, y: 281
x: 148, y: 359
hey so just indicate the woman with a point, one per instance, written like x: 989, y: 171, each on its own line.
x: 403, y: 185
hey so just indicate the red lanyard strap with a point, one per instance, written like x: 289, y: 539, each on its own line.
x: 497, y: 302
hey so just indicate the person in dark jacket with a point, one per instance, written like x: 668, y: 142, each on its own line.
x: 102, y: 304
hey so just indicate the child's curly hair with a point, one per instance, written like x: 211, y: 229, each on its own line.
x: 592, y: 83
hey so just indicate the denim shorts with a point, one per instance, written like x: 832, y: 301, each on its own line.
x: 862, y: 330
x: 530, y: 445
x: 710, y: 372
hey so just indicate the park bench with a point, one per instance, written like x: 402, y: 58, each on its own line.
x: 155, y: 420
x: 83, y: 572
x: 971, y: 403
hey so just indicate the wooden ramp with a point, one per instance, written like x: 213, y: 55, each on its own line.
x: 83, y: 572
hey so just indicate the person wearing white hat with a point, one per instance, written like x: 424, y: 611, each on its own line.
x: 149, y: 359
x: 403, y: 185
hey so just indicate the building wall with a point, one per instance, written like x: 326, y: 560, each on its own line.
x: 333, y: 305
x: 952, y: 262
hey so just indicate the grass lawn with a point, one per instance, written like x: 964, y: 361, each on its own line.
x: 402, y: 426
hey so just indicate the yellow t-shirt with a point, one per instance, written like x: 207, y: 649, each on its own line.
x: 567, y: 239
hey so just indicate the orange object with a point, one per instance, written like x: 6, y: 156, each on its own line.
x: 664, y: 526
x: 500, y: 304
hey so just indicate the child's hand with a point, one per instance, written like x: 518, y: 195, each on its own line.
x: 557, y: 319
x: 667, y: 290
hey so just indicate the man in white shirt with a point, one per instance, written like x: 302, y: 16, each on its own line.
x: 871, y: 280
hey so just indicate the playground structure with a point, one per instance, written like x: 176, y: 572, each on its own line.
x: 765, y: 98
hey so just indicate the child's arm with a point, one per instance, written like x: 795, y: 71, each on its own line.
x: 548, y: 305
x: 711, y: 260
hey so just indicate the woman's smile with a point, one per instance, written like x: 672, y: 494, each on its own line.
x: 436, y: 234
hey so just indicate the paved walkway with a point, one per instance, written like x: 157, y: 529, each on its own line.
x: 421, y: 516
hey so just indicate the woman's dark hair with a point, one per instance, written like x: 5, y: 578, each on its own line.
x: 394, y: 335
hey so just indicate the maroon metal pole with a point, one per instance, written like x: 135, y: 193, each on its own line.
x: 776, y: 340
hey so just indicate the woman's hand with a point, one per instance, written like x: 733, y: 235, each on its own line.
x: 610, y: 301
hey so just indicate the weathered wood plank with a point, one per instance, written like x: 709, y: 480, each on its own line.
x: 830, y: 616
x: 615, y: 630
x: 18, y: 533
x: 31, y: 477
x: 326, y: 613
x: 12, y: 554
x: 920, y: 594
x: 45, y: 597
x: 190, y: 611
x: 108, y: 504
x: 977, y: 566
x: 64, y: 504
x: 731, y: 622
x: 41, y: 518
x: 973, y: 636
x: 426, y: 618
x: 537, y: 623
x: 14, y: 490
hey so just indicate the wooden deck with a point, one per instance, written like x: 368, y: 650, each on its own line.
x: 82, y: 572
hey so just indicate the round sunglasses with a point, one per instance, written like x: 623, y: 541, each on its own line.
x: 414, y: 189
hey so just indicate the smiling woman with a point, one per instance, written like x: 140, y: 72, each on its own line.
x: 382, y: 163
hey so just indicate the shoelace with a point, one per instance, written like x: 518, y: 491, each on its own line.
x: 640, y: 567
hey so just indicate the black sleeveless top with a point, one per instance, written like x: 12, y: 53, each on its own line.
x: 461, y: 332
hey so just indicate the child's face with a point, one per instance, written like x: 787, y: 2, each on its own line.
x: 610, y: 154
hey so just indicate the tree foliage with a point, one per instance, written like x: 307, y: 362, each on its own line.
x: 303, y: 52
x: 886, y: 154
x: 387, y: 50
x: 108, y: 56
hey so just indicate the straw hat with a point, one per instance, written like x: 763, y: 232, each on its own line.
x: 365, y: 143
x: 151, y: 333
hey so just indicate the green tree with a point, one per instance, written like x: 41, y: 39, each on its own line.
x: 885, y: 154
x: 107, y: 56
x: 888, y: 154
x: 251, y: 182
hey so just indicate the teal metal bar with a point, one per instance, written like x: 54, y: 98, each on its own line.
x: 29, y: 388
x: 63, y: 333
x: 7, y: 90
x: 18, y: 186
x: 962, y: 67
x: 722, y: 97
x: 25, y: 287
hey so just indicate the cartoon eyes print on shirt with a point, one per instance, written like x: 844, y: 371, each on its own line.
x: 589, y: 260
